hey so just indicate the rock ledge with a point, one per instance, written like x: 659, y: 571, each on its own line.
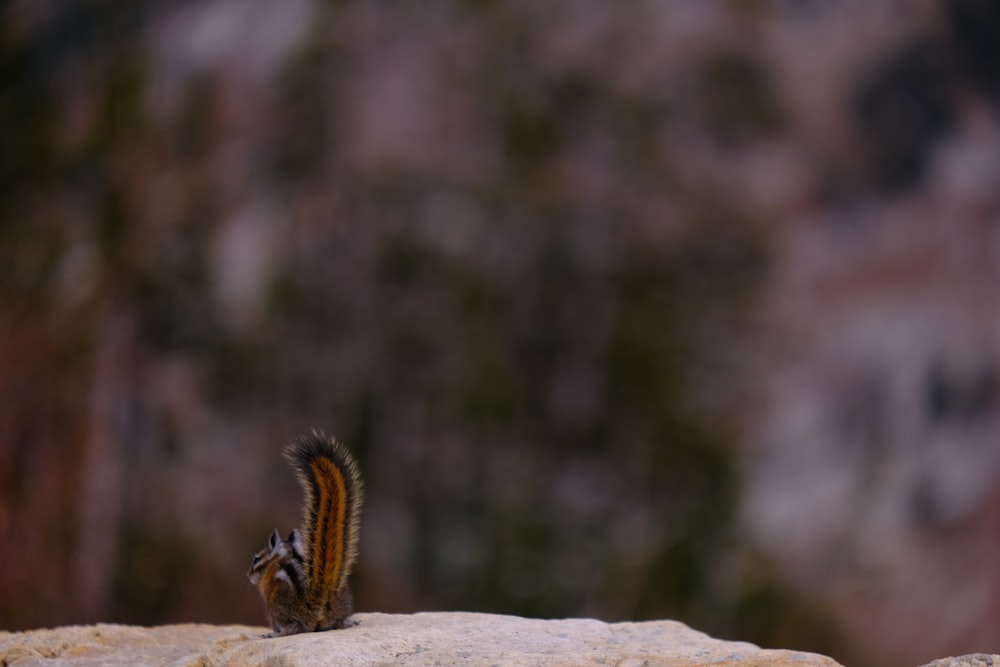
x: 453, y: 638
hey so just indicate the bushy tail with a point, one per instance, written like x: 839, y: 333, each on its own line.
x: 333, y: 493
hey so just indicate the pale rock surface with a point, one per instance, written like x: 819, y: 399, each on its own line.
x: 452, y: 638
x: 972, y: 660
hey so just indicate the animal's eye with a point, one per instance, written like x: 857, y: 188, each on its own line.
x: 256, y: 559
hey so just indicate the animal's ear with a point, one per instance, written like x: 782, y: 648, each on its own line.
x: 275, y: 538
x: 295, y: 542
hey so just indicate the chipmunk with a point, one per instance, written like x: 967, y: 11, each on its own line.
x: 303, y: 578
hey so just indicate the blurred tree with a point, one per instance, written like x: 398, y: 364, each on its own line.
x: 521, y: 314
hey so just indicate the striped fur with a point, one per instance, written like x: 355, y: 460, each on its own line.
x: 331, y: 483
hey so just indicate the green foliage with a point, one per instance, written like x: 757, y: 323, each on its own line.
x: 27, y: 114
x: 738, y: 98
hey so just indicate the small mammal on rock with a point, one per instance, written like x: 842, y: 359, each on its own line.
x: 303, y: 579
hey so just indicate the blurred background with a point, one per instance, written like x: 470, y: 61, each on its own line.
x: 631, y: 310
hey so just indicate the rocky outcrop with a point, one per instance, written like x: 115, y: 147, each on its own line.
x: 379, y: 639
x: 973, y: 660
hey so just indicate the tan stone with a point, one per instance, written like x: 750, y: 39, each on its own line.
x: 453, y: 638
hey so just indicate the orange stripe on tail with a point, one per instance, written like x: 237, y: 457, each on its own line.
x: 331, y: 524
